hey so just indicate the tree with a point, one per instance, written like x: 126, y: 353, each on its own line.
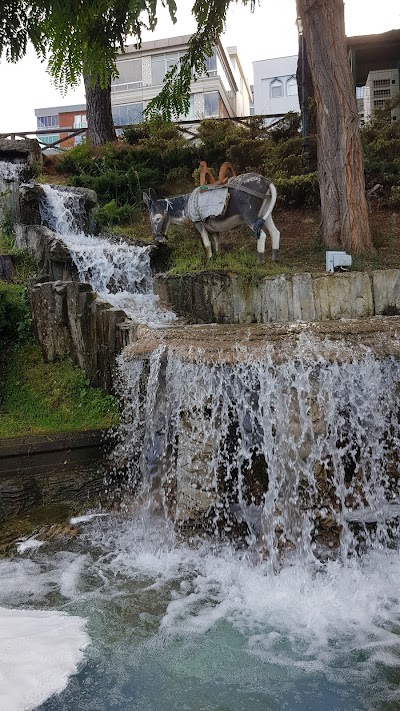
x: 82, y: 38
x: 344, y: 214
x: 344, y: 210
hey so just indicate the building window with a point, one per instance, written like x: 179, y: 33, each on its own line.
x: 360, y: 92
x: 48, y: 140
x: 127, y: 114
x: 161, y: 64
x: 80, y: 121
x: 291, y: 87
x: 211, y: 104
x: 211, y: 64
x: 381, y: 82
x: 381, y: 92
x: 276, y: 89
x: 130, y: 75
x: 47, y: 121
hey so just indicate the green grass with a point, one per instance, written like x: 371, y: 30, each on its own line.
x: 41, y: 397
x: 185, y: 255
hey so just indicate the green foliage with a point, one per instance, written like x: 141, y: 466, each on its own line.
x: 216, y: 138
x: 116, y: 172
x: 14, y: 312
x: 394, y: 199
x: 110, y: 214
x: 286, y: 128
x: 381, y: 143
x: 298, y: 190
x: 157, y: 154
x: 50, y: 397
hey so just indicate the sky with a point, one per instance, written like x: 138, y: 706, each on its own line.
x: 268, y: 32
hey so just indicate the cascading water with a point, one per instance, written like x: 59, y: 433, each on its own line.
x: 303, y: 452
x: 297, y: 456
x: 289, y: 455
x: 12, y: 170
x: 118, y: 272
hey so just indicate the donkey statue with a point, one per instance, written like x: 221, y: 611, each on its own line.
x: 244, y: 199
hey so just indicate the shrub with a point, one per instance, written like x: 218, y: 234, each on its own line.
x: 110, y: 214
x: 298, y: 191
x: 394, y: 199
x: 14, y: 312
x: 381, y: 143
x: 216, y: 137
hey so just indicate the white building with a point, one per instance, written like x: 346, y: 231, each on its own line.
x: 223, y: 91
x: 381, y: 85
x: 275, y: 86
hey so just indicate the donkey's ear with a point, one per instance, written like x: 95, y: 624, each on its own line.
x: 153, y: 195
x: 146, y: 199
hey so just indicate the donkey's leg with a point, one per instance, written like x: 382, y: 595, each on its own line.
x: 275, y: 236
x: 204, y: 238
x: 261, y: 247
x: 214, y: 243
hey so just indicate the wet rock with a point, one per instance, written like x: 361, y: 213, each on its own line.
x: 6, y: 267
x: 26, y: 150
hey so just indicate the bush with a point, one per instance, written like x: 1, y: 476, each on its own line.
x: 110, y: 214
x: 14, y: 312
x: 298, y: 191
x: 216, y: 138
x: 381, y: 143
x: 394, y: 199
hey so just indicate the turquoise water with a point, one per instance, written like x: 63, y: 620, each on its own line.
x: 201, y: 628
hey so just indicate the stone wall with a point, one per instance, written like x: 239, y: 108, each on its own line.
x: 70, y: 321
x: 218, y: 297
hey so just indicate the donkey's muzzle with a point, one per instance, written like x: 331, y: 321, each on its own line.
x: 159, y: 239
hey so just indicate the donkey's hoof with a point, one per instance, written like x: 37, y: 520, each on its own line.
x: 275, y: 255
x: 260, y: 257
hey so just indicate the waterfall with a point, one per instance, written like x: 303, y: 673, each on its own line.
x: 120, y: 273
x: 295, y: 457
x: 12, y: 171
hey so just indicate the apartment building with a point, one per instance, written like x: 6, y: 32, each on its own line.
x: 375, y: 64
x: 275, y: 86
x: 381, y: 85
x: 223, y: 91
x: 59, y: 119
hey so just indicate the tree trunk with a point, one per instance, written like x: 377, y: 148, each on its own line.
x: 98, y: 111
x: 344, y: 209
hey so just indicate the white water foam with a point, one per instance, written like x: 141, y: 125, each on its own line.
x: 120, y: 273
x: 11, y: 171
x: 39, y: 651
x: 338, y: 621
x: 26, y: 544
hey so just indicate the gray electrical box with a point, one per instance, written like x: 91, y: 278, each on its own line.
x: 337, y: 260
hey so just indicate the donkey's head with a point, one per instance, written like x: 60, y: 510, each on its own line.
x: 159, y: 218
